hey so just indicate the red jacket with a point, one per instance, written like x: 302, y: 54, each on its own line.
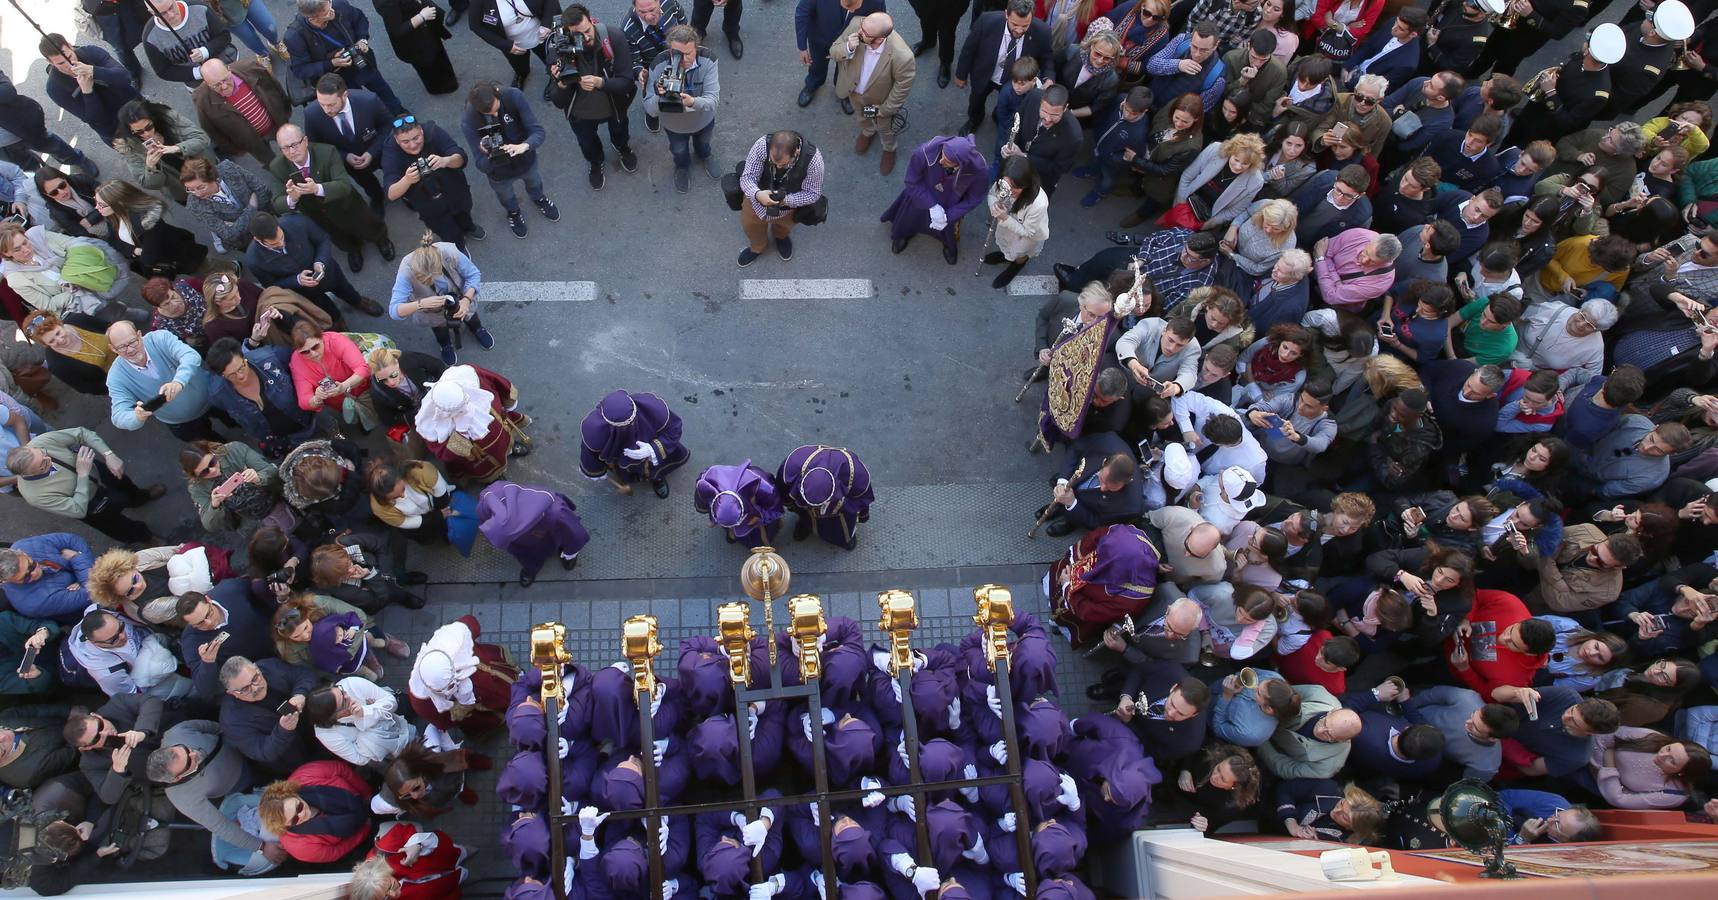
x: 1490, y: 664
x: 326, y: 848
x: 1100, y: 8
x: 1360, y: 27
x: 1518, y: 377
x: 1299, y: 667
x: 435, y: 875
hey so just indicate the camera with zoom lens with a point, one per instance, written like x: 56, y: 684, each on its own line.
x: 351, y: 55
x: 449, y: 305
x: 669, y: 88
x: 566, y: 47
x: 281, y: 577
x: 491, y: 141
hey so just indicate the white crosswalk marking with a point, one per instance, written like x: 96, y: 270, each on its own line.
x: 806, y: 289
x: 539, y: 291
x: 1033, y: 286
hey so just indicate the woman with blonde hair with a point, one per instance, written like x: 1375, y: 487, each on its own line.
x: 148, y: 243
x: 321, y: 813
x: 230, y: 307
x: 1219, y: 317
x: 1254, y: 243
x: 400, y: 379
x: 437, y: 286
x: 63, y: 274
x: 409, y: 863
x: 1387, y: 376
x: 1321, y: 809
x: 1219, y: 184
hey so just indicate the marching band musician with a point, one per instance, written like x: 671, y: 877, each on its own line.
x: 1565, y: 99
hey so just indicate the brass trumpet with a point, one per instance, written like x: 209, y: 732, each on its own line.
x: 1248, y: 677
x: 1508, y: 21
x: 1533, y: 90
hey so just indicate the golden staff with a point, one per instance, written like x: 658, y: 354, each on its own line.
x: 1051, y: 508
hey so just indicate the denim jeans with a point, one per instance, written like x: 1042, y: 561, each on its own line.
x: 258, y: 29
x: 698, y: 141
x: 509, y: 198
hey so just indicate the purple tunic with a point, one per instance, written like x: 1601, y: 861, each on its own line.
x: 531, y: 523
x: 329, y: 652
x: 928, y: 183
x: 832, y: 486
x: 526, y: 844
x: 741, y: 500
x: 619, y: 422
x: 703, y: 672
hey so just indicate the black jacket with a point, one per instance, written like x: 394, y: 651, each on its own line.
x: 609, y: 56
x: 1094, y: 506
x: 306, y: 244
x: 1055, y: 150
x: 65, y: 219
x: 254, y: 728
x: 440, y: 190
x: 984, y: 42
x: 396, y: 408
x: 372, y: 125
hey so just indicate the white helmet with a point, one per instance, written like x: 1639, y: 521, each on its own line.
x: 1607, y: 43
x: 1673, y: 20
x: 1494, y: 7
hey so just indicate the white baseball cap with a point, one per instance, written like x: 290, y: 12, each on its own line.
x: 1673, y: 20
x: 1607, y: 43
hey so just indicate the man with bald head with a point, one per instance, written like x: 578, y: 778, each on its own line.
x: 1192, y: 547
x: 1315, y: 743
x: 312, y: 179
x: 875, y: 72
x: 240, y: 105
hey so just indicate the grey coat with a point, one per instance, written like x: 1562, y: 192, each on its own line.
x: 230, y: 226
x: 1290, y: 754
x: 703, y: 82
x: 1234, y: 199
x: 1144, y: 342
x: 199, y: 796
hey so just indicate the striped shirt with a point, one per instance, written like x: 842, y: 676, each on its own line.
x: 250, y: 106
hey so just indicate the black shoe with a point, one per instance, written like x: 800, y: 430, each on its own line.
x: 661, y: 488
x: 519, y: 449
x: 516, y: 224
x: 942, y: 75
x: 784, y: 248
x: 736, y: 46
x: 951, y: 253
x: 413, y: 601
x: 526, y: 578
x: 412, y: 579
x: 548, y: 208
x: 994, y: 258
x: 386, y: 248
x: 899, y: 244
x: 549, y: 92
x: 923, y: 47
x: 597, y: 179
x: 1065, y: 275
x: 1121, y: 238
x: 1058, y: 528
x: 652, y: 124
x: 846, y: 106
x: 1103, y: 692
x: 628, y: 160
x: 355, y: 260
x: 568, y: 562
x: 454, y: 17
x: 1007, y: 275
x: 518, y: 82
x: 804, y: 97
x: 968, y: 127
x: 802, y: 527
x: 476, y: 232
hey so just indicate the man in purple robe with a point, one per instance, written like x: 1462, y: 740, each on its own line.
x: 705, y: 689
x: 524, y: 781
x: 614, y: 707
x: 621, y: 871
x: 742, y: 501
x: 631, y: 437
x: 830, y: 489
x: 946, y: 179
x: 526, y: 845
x: 531, y: 523
x: 725, y: 842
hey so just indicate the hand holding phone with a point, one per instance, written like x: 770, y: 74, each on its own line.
x: 28, y: 662
x: 154, y: 403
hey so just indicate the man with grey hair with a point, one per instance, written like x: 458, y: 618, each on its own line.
x: 200, y: 771
x: 1062, y: 315
x: 689, y: 116
x: 1610, y: 148
x: 1355, y: 267
x: 251, y: 717
x: 1364, y: 106
x: 334, y: 36
x: 1565, y: 339
x: 182, y: 36
x: 45, y: 576
x: 58, y: 472
x: 1464, y: 398
x: 126, y: 658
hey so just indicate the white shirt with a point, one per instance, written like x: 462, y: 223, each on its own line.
x: 868, y: 66
x: 343, y: 119
x: 1298, y: 96
x: 518, y: 23
x: 1003, y: 59
x: 375, y: 732
x: 1389, y: 45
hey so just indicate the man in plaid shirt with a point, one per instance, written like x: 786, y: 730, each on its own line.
x: 1235, y: 20
x: 1177, y: 260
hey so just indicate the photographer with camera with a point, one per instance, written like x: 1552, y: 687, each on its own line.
x: 423, y: 166
x: 594, y: 84
x: 646, y: 28
x: 780, y: 186
x: 504, y: 135
x: 334, y: 36
x: 437, y: 286
x: 683, y: 89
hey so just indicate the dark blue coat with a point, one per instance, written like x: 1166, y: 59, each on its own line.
x: 455, y: 191
x: 1398, y: 65
x: 273, y: 374
x: 306, y: 245
x: 817, y: 23
x: 254, y: 728
x: 247, y: 631
x: 1459, y: 170
x: 985, y: 42
x: 311, y: 48
x: 99, y: 109
x: 1471, y: 238
x: 371, y: 125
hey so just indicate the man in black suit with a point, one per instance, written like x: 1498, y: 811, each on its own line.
x: 285, y: 254
x: 1049, y: 137
x: 1107, y: 494
x: 995, y: 42
x: 356, y: 123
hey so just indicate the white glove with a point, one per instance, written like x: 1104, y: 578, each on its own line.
x: 905, y: 806
x: 656, y: 697
x: 1007, y: 823
x: 672, y: 885
x: 817, y: 882
x: 662, y: 841
x: 918, y: 661
x: 1017, y: 881
x: 816, y: 816
x: 567, y: 875
x: 658, y: 749
x: 999, y: 752
x: 566, y: 807
x: 896, y: 687
x: 589, y: 819
x: 873, y: 799
x: 752, y: 722
x: 623, y: 666
x: 761, y: 891
x: 970, y: 793
x: 565, y: 747
x: 805, y: 721
x: 880, y: 659
x: 939, y: 218
x: 953, y: 713
x: 992, y: 700
x: 640, y: 451
x: 901, y: 750
x: 828, y: 716
x: 752, y: 834
x: 977, y: 853
x: 925, y: 880
x: 1070, y: 795
x: 902, y: 864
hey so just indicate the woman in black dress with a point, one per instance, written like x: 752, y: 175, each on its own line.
x: 137, y: 230
x: 417, y: 29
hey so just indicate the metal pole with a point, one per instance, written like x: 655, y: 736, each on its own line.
x: 639, y: 645
x: 1016, y: 793
x: 549, y: 654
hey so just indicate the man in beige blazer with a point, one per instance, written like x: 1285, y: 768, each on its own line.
x: 875, y: 71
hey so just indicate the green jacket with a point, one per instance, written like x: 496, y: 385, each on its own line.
x: 1290, y: 754
x: 341, y: 202
x: 235, y: 457
x: 1699, y: 182
x: 61, y: 490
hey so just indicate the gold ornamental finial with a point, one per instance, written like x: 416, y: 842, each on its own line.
x: 806, y: 625
x: 995, y: 614
x: 639, y: 644
x: 549, y: 655
x: 898, y: 617
x: 734, y: 630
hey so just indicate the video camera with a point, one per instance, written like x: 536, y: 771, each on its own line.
x: 670, y: 86
x: 491, y: 141
x: 566, y: 47
x: 20, y: 826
